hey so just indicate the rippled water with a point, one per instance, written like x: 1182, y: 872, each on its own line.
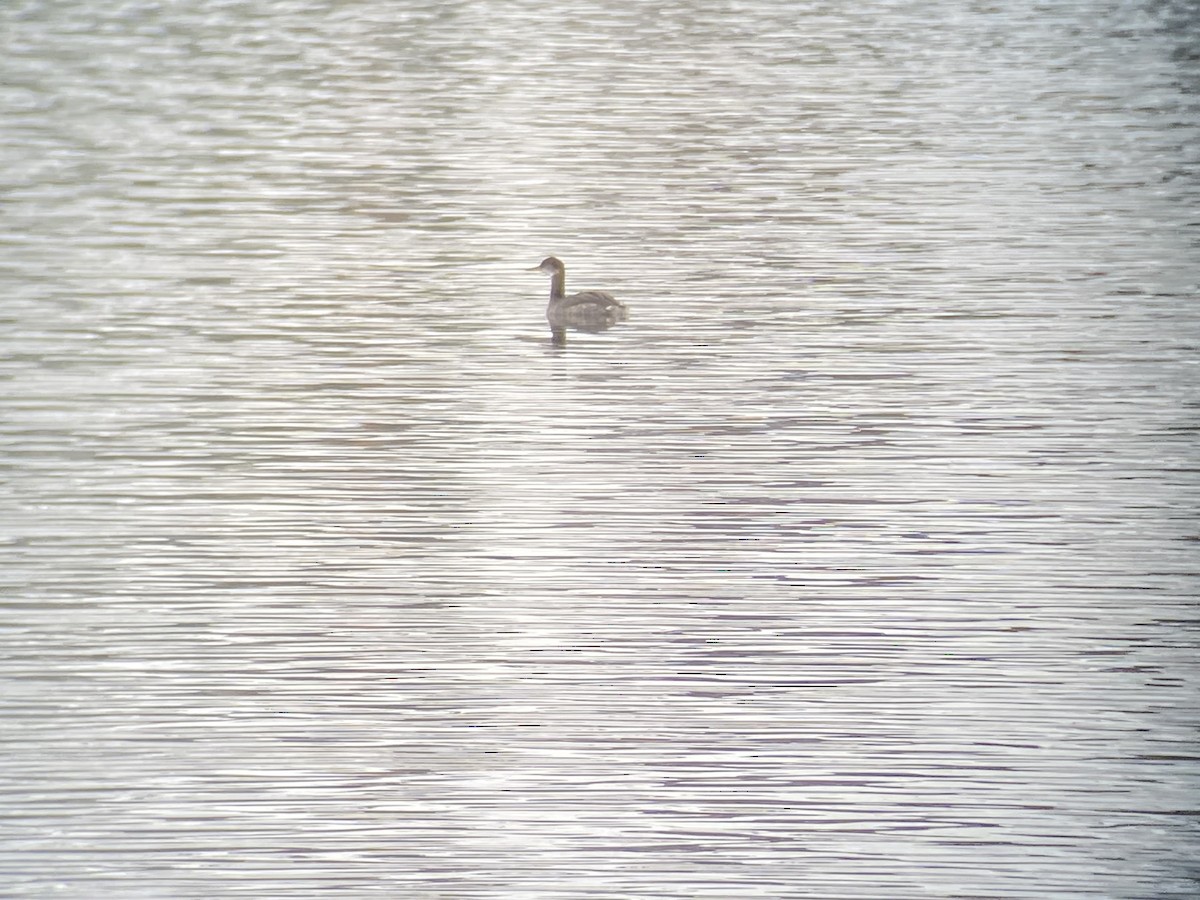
x: 860, y: 563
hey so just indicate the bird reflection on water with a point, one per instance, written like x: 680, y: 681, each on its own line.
x: 590, y: 311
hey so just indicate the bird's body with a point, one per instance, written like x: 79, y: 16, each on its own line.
x: 591, y: 311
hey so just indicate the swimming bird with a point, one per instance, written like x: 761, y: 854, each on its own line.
x: 591, y: 311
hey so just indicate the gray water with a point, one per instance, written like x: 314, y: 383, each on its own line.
x: 860, y: 563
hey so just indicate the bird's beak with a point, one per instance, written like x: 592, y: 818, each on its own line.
x: 534, y: 269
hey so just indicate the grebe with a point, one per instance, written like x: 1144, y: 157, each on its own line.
x: 586, y: 311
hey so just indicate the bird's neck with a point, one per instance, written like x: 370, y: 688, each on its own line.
x: 558, y: 285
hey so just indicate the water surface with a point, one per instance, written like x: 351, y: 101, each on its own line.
x: 860, y: 563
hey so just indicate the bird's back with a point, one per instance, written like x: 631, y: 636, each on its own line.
x: 588, y: 311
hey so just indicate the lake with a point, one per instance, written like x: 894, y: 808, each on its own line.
x: 861, y: 563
